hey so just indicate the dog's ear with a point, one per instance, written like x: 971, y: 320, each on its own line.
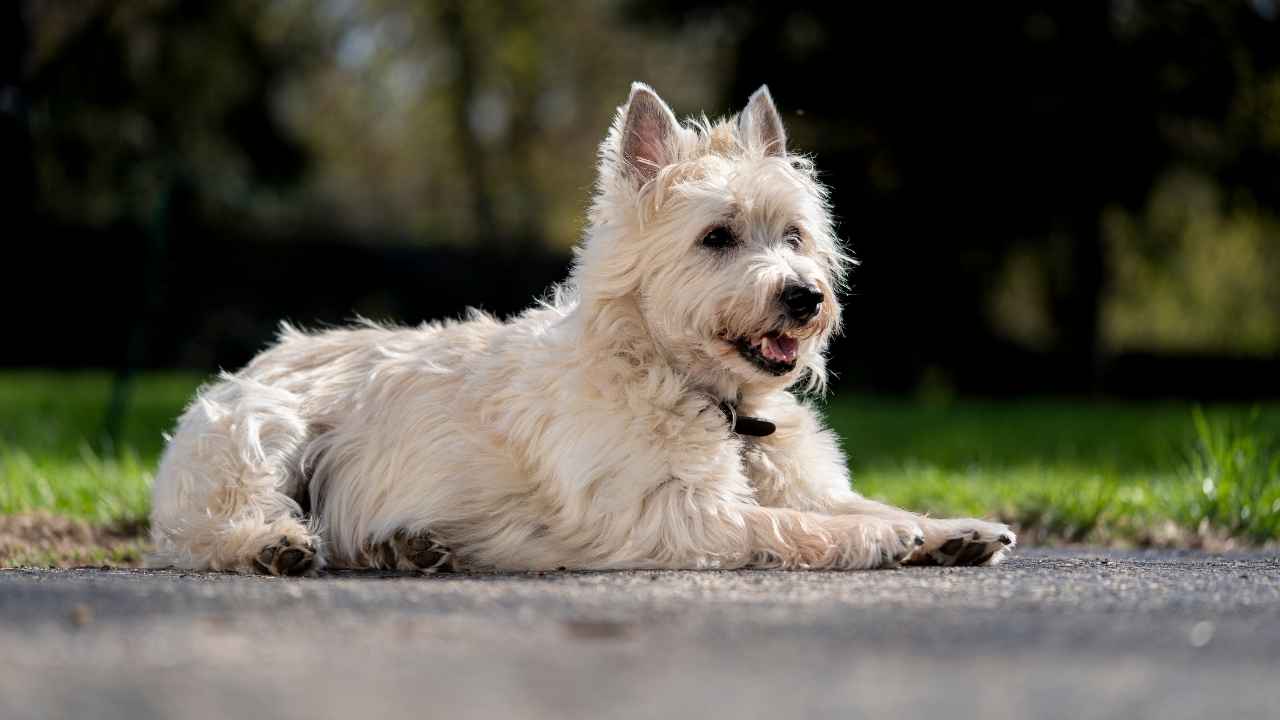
x: 761, y: 125
x: 648, y: 133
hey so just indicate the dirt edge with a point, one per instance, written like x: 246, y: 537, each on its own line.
x: 44, y: 539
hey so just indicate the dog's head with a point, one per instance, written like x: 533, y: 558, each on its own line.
x: 721, y: 236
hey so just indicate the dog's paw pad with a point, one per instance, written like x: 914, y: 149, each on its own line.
x: 888, y: 560
x: 968, y: 551
x: 427, y: 555
x: 284, y: 558
x: 970, y: 554
x: 419, y: 552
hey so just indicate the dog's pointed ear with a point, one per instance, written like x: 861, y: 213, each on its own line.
x: 761, y: 125
x: 648, y: 133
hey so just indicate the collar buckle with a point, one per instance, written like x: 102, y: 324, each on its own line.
x: 746, y: 424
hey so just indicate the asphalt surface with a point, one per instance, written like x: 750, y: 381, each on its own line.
x: 1071, y: 634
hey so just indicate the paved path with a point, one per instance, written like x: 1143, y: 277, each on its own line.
x: 1071, y: 634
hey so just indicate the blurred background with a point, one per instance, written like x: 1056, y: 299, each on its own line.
x: 1068, y: 215
x: 1070, y: 197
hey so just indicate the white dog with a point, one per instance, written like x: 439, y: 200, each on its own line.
x: 638, y: 418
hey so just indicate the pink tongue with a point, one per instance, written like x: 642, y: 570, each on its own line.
x: 779, y: 348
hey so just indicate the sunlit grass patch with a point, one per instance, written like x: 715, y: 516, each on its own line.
x: 1128, y: 475
x: 56, y: 454
x: 87, y: 486
x: 1231, y: 479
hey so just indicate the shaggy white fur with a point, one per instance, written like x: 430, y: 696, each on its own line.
x: 587, y: 432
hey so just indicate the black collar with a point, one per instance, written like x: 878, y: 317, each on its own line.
x: 745, y: 424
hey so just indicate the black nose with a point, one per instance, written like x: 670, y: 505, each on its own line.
x: 801, y: 301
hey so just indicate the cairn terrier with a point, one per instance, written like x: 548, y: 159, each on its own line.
x: 648, y: 414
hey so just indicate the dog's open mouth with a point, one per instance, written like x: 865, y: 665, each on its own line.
x: 774, y: 352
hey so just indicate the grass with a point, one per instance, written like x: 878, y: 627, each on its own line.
x: 1063, y: 470
x: 54, y: 455
x: 1239, y: 476
x: 1076, y: 471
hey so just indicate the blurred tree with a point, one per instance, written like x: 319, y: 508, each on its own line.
x: 474, y: 123
x: 953, y: 133
x: 128, y: 98
x: 17, y: 175
x: 148, y: 117
x: 1010, y: 174
x: 1191, y: 274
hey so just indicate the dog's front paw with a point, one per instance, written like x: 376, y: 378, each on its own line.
x: 287, y: 557
x: 964, y: 542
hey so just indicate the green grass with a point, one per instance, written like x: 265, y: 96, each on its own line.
x: 1061, y: 469
x: 1075, y: 471
x: 54, y: 455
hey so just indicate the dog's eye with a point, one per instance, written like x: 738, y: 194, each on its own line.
x: 792, y: 236
x: 719, y: 238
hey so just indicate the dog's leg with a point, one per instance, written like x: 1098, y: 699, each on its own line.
x: 792, y: 539
x: 223, y: 490
x: 802, y: 467
x: 965, y: 541
x: 958, y: 541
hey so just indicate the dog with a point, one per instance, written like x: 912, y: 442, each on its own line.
x: 648, y: 413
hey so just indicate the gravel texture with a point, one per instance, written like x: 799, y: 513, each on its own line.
x: 1065, y: 633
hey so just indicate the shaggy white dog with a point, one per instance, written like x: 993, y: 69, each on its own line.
x: 638, y: 418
